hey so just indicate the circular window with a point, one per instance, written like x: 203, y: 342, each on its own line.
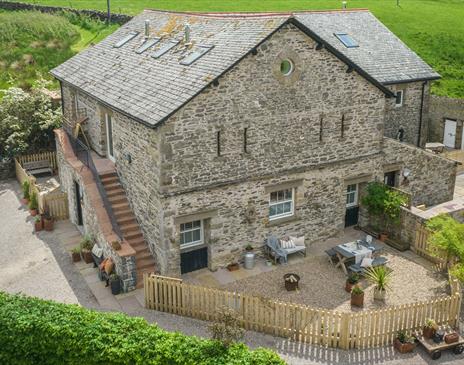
x: 286, y: 67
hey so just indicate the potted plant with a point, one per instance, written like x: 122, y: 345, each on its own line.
x: 352, y: 280
x: 33, y: 204
x: 115, y: 284
x: 357, y: 296
x: 76, y: 254
x: 47, y: 221
x: 380, y: 276
x: 233, y: 266
x: 116, y: 245
x: 26, y: 195
x: 429, y: 328
x: 37, y: 223
x: 249, y: 248
x: 404, y: 343
x: 86, y: 245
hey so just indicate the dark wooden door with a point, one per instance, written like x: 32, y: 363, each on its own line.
x: 193, y: 260
x: 390, y: 178
x: 351, y: 216
x: 78, y: 203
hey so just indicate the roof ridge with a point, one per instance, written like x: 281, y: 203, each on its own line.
x: 250, y: 14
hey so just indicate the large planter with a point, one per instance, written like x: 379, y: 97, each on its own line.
x: 428, y: 332
x: 76, y: 256
x: 33, y: 212
x: 38, y: 226
x: 383, y: 237
x: 379, y: 294
x: 291, y: 281
x: 357, y: 299
x: 115, y: 286
x: 48, y: 224
x: 403, y: 348
x: 24, y: 201
x: 233, y: 267
x: 87, y: 256
x: 349, y: 286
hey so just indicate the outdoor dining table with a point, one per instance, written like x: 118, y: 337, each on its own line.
x: 350, y: 250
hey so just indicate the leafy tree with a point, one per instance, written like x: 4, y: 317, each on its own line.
x: 27, y: 120
x: 447, y: 236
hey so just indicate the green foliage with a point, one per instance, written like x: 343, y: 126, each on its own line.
x: 33, y: 204
x: 76, y: 249
x: 26, y: 186
x: 35, y: 331
x: 380, y: 276
x: 357, y: 290
x: 447, y: 235
x: 384, y: 203
x: 430, y: 323
x: 27, y: 120
x: 353, y: 278
x: 86, y: 243
x: 457, y: 271
x: 226, y: 328
x: 403, y: 337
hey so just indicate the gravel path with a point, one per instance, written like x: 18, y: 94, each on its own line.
x: 322, y: 286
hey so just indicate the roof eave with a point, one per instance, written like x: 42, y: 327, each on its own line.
x: 430, y: 78
x: 341, y: 56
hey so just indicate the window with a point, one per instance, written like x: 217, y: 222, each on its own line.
x: 245, y: 147
x: 286, y: 67
x: 347, y: 40
x: 147, y: 44
x: 165, y: 48
x: 281, y: 203
x: 199, y: 52
x: 126, y: 39
x: 352, y: 195
x: 218, y: 143
x: 191, y: 233
x: 399, y: 98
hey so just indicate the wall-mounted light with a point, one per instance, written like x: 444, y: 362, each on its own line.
x: 406, y: 175
x: 128, y: 157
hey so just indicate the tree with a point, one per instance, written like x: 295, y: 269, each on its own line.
x: 27, y: 120
x: 446, y: 236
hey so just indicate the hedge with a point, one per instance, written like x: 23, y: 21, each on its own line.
x: 36, y: 331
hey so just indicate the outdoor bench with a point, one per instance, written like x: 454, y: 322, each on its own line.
x: 38, y: 167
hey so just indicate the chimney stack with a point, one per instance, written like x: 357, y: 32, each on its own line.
x: 187, y: 33
x: 147, y: 28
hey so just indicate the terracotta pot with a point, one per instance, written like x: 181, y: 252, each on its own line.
x: 428, y: 332
x: 379, y: 294
x: 48, y: 224
x: 349, y: 286
x: 38, y: 226
x: 33, y: 212
x: 357, y: 299
x: 233, y: 267
x: 403, y: 348
x: 383, y: 237
x: 76, y: 256
x: 87, y: 256
x: 24, y: 201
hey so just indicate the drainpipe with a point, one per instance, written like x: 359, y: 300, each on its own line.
x: 421, y: 112
x: 62, y: 98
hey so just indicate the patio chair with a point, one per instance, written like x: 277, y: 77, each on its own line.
x: 333, y: 258
x: 378, y: 261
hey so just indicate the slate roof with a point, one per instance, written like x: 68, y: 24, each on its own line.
x: 381, y: 54
x: 150, y: 90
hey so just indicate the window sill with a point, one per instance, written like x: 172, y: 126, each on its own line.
x: 192, y: 247
x: 283, y: 220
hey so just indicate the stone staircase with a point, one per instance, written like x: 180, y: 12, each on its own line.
x: 128, y: 225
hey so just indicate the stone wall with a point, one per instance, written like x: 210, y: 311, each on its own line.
x: 442, y: 108
x: 407, y: 116
x: 95, y: 220
x: 115, y: 18
x: 6, y: 169
x: 432, y: 177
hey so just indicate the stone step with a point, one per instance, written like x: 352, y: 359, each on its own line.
x: 138, y: 241
x: 145, y: 263
x: 109, y: 179
x: 129, y: 219
x: 121, y: 206
x: 141, y: 248
x: 107, y: 175
x: 141, y: 255
x: 123, y: 213
x: 115, y: 192
x: 131, y: 235
x: 116, y: 199
x: 126, y: 228
x: 112, y: 186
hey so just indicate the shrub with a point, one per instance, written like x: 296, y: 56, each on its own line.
x: 447, y: 235
x: 26, y: 186
x: 380, y: 276
x: 227, y: 327
x: 33, y: 204
x: 35, y: 331
x: 86, y: 243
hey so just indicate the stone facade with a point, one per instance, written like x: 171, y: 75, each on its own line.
x: 219, y: 157
x: 442, y: 108
x: 408, y: 115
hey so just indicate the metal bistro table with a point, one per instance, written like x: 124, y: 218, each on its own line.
x: 348, y: 251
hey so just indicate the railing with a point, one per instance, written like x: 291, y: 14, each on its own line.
x: 70, y: 120
x: 346, y: 330
x: 84, y: 154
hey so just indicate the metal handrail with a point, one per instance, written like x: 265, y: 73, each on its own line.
x: 83, y: 153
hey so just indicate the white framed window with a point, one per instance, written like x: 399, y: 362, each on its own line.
x: 352, y: 195
x: 286, y: 67
x: 399, y: 98
x: 191, y: 233
x: 281, y: 203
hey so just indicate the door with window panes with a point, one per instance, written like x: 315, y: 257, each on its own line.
x: 193, y: 251
x: 352, y: 206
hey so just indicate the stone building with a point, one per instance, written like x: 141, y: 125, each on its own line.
x: 446, y: 121
x: 224, y: 128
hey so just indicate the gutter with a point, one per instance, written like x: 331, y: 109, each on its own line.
x: 421, y: 112
x: 432, y: 78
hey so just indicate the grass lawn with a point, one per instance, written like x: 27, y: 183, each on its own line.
x: 432, y: 28
x: 32, y: 43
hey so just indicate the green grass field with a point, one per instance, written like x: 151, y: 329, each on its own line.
x: 432, y: 28
x: 32, y: 43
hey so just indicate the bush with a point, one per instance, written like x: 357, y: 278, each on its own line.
x: 26, y: 187
x: 33, y: 204
x: 35, y: 331
x: 227, y: 327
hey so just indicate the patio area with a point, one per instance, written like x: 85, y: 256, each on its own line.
x: 322, y: 285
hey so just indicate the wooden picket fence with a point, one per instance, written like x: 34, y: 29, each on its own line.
x: 344, y: 330
x: 55, y: 202
x: 422, y: 248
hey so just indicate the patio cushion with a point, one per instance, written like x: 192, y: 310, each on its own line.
x: 378, y: 261
x: 298, y: 241
x: 366, y: 262
x: 294, y: 249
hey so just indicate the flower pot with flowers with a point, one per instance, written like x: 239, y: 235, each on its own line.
x: 351, y: 281
x: 404, y: 343
x: 429, y: 328
x: 86, y: 245
x: 357, y: 296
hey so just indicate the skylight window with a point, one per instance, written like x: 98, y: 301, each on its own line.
x: 147, y: 44
x: 164, y: 49
x: 199, y: 52
x: 126, y: 39
x: 347, y: 40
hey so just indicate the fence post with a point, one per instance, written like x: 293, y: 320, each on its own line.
x: 345, y: 331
